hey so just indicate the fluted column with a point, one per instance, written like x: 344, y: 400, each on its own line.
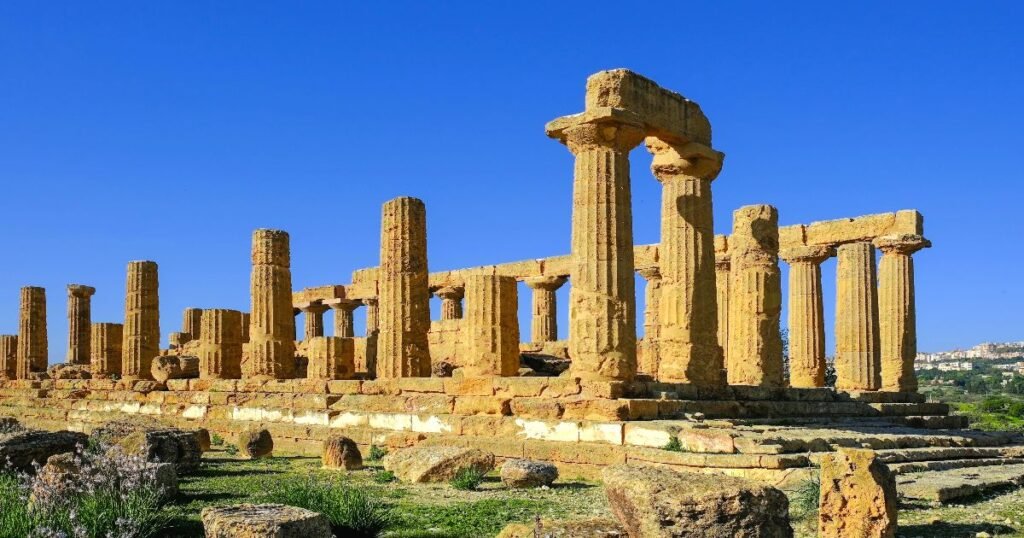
x: 451, y: 302
x: 806, y: 315
x: 403, y: 292
x: 331, y: 357
x: 688, y: 332
x: 857, y: 342
x: 372, y: 316
x: 105, y: 355
x: 344, y: 316
x: 246, y: 318
x: 220, y: 344
x: 755, y: 298
x: 8, y: 356
x: 544, y: 305
x: 272, y: 324
x: 79, y: 320
x: 491, y: 326
x: 602, y: 300
x: 191, y: 323
x: 897, y: 314
x: 141, y: 320
x: 33, y: 354
x: 647, y: 350
x: 723, y: 265
x: 314, y: 317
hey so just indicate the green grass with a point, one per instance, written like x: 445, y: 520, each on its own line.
x: 384, y: 477
x: 467, y: 479
x: 352, y: 512
x: 376, y: 453
x: 15, y: 520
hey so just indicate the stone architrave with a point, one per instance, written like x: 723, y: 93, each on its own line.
x: 858, y: 496
x: 806, y: 315
x: 491, y: 326
x: 755, y: 298
x: 191, y: 323
x: 404, y: 313
x: 544, y: 304
x: 33, y: 355
x: 79, y: 319
x: 220, y: 344
x: 105, y: 355
x: 897, y: 317
x: 141, y: 320
x: 331, y: 357
x: 314, y: 315
x: 857, y: 342
x: 723, y: 265
x: 8, y: 356
x: 451, y: 302
x: 344, y: 317
x: 272, y: 322
x: 647, y: 351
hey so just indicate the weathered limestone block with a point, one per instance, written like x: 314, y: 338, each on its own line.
x: 660, y: 502
x: 858, y: 496
x: 272, y: 325
x: 79, y: 320
x: 576, y: 528
x: 21, y: 449
x: 192, y: 322
x: 528, y: 474
x: 755, y: 298
x: 436, y: 463
x: 344, y: 317
x: 688, y: 320
x: 451, y: 302
x: 857, y: 341
x: 204, y: 439
x: 264, y: 521
x: 33, y: 355
x: 491, y: 326
x: 220, y: 344
x: 177, y: 447
x: 141, y: 335
x: 544, y: 323
x: 404, y: 313
x: 806, y: 316
x: 897, y: 316
x: 331, y: 357
x: 340, y: 452
x: 255, y: 444
x: 69, y: 371
x: 174, y: 367
x: 105, y: 354
x: 647, y: 348
x: 8, y: 356
x: 115, y: 431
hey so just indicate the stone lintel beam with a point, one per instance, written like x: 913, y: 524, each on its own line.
x: 852, y: 230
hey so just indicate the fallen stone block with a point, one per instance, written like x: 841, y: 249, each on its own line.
x: 22, y: 449
x: 436, y: 463
x: 169, y: 367
x: 264, y: 521
x: 528, y: 474
x: 340, y: 452
x: 858, y: 496
x: 584, y: 528
x: 177, y: 447
x: 256, y: 444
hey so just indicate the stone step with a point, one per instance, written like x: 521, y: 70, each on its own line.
x: 944, y: 465
x: 908, y: 455
x: 953, y: 484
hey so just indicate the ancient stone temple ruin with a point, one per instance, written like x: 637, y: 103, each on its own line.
x: 710, y: 369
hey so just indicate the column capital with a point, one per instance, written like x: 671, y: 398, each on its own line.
x: 80, y: 290
x: 549, y: 283
x: 901, y: 244
x: 604, y: 127
x: 691, y: 159
x: 650, y: 273
x: 315, y: 307
x: 452, y: 293
x: 369, y: 301
x: 814, y: 254
x: 342, y: 304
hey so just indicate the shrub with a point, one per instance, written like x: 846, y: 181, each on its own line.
x: 673, y: 445
x: 467, y: 479
x: 216, y: 440
x: 351, y: 512
x: 384, y: 477
x: 994, y: 404
x: 805, y: 497
x: 377, y: 453
x: 1016, y: 410
x: 231, y: 450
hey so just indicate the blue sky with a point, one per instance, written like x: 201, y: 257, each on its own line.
x: 170, y: 130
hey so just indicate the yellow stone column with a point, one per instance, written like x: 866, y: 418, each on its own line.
x: 372, y: 316
x: 272, y: 323
x: 105, y: 355
x: 344, y: 318
x: 33, y: 354
x: 688, y: 321
x: 755, y: 298
x: 544, y: 307
x: 491, y: 326
x: 314, y: 316
x: 8, y: 356
x: 857, y: 342
x: 191, y: 323
x: 602, y: 300
x: 806, y: 315
x: 79, y: 319
x: 404, y: 295
x: 722, y: 269
x: 451, y: 302
x: 331, y: 357
x: 220, y: 344
x: 141, y: 342
x: 246, y: 318
x: 897, y: 315
x: 647, y: 347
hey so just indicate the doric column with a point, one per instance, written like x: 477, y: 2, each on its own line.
x: 404, y: 296
x: 8, y: 356
x: 33, y: 355
x: 141, y: 320
x: 857, y: 343
x: 344, y: 318
x: 314, y: 317
x: 897, y: 315
x: 220, y: 344
x: 602, y: 300
x: 191, y: 322
x: 723, y: 265
x: 246, y: 318
x: 491, y: 326
x: 451, y: 302
x: 688, y: 332
x: 755, y: 298
x: 372, y: 316
x: 544, y: 322
x: 272, y: 326
x: 79, y: 319
x: 105, y: 350
x: 806, y: 315
x: 647, y: 351
x: 331, y: 357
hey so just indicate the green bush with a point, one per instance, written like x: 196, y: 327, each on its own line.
x: 994, y: 404
x: 467, y: 479
x: 1016, y: 410
x: 216, y: 440
x: 673, y: 445
x: 351, y: 512
x: 231, y: 450
x: 377, y: 453
x: 804, y: 499
x: 384, y: 477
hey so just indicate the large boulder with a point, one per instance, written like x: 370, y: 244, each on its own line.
x: 22, y: 449
x: 174, y: 367
x: 256, y: 444
x: 340, y: 452
x: 264, y: 521
x: 177, y: 447
x: 583, y: 528
x: 528, y: 474
x: 436, y: 463
x: 658, y: 502
x: 858, y: 496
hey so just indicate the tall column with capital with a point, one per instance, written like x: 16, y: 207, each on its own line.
x: 451, y: 302
x: 33, y: 353
x: 723, y: 265
x: 647, y: 347
x: 602, y: 300
x: 272, y: 322
x: 79, y: 320
x: 806, y: 315
x: 314, y: 315
x: 544, y: 307
x: 141, y: 320
x: 897, y: 315
x: 755, y: 298
x: 344, y: 316
x: 857, y: 340
x: 688, y: 332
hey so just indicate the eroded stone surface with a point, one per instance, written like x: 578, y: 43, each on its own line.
x: 583, y: 528
x: 436, y: 464
x: 256, y: 444
x: 264, y: 521
x: 528, y: 474
x: 341, y: 452
x: 22, y: 449
x: 858, y: 496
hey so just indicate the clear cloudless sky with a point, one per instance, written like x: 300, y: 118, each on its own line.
x: 170, y: 130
